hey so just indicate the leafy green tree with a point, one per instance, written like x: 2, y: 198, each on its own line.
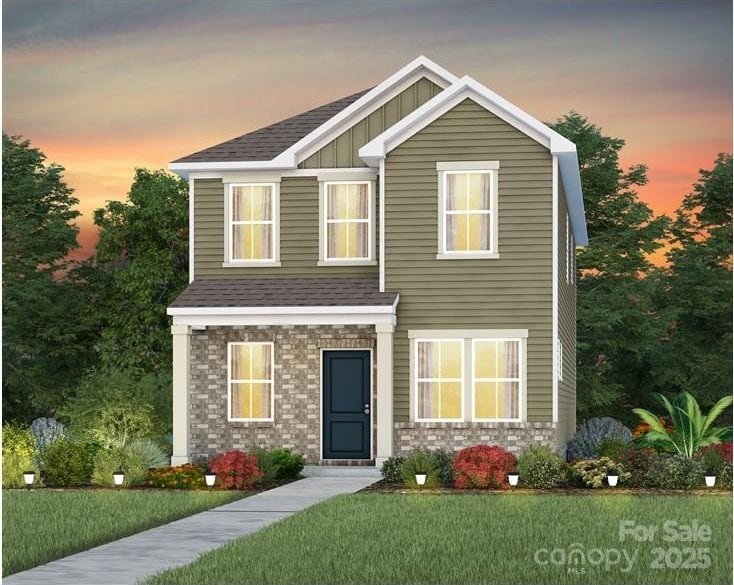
x: 45, y: 345
x: 697, y: 289
x: 618, y: 324
x: 141, y: 266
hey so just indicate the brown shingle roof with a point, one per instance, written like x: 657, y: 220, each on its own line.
x: 266, y: 143
x: 284, y: 292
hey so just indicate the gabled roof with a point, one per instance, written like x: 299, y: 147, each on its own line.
x: 268, y: 142
x: 468, y: 88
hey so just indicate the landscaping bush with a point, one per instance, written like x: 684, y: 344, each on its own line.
x: 484, y: 467
x: 725, y: 476
x: 278, y: 464
x: 675, y: 472
x: 420, y: 462
x: 45, y: 431
x: 444, y: 461
x: 593, y: 472
x: 392, y: 469
x: 615, y: 449
x: 539, y: 467
x: 235, y: 469
x: 187, y: 476
x: 134, y: 460
x: 19, y: 455
x: 637, y: 460
x: 66, y: 463
x: 587, y: 441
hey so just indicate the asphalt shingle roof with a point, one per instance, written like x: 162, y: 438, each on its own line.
x: 268, y: 142
x: 283, y: 292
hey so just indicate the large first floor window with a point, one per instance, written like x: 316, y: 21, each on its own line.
x: 250, y: 381
x: 475, y: 377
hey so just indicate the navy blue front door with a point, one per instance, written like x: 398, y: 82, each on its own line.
x: 346, y: 415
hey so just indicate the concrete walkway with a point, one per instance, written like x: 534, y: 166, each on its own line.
x: 131, y: 559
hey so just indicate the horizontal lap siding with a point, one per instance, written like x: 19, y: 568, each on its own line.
x: 514, y: 291
x: 566, y: 330
x: 344, y: 150
x: 299, y: 233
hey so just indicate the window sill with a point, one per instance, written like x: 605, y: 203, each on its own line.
x: 265, y: 264
x: 251, y: 423
x: 347, y: 263
x: 468, y: 256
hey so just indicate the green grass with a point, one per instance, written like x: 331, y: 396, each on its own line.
x: 42, y: 525
x: 464, y: 539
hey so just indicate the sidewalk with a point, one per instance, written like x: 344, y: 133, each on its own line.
x: 131, y: 559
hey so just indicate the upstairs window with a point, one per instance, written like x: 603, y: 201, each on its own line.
x: 468, y: 210
x: 347, y: 209
x: 252, y: 229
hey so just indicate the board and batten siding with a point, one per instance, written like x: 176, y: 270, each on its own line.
x: 299, y: 234
x: 566, y: 329
x: 512, y: 292
x: 344, y: 150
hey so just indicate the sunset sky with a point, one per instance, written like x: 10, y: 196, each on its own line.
x: 105, y: 86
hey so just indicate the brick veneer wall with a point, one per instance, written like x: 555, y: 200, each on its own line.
x: 296, y: 387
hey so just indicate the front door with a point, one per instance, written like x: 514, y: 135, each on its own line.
x: 346, y: 415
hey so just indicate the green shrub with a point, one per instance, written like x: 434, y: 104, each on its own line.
x: 675, y: 472
x: 724, y: 478
x: 19, y: 455
x: 66, y: 463
x: 593, y: 472
x: 134, y: 460
x: 276, y: 464
x: 392, y: 470
x: 637, y: 461
x: 444, y: 461
x: 420, y: 462
x: 267, y: 461
x: 614, y: 448
x: 539, y: 467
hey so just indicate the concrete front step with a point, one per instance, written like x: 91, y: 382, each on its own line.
x: 341, y: 471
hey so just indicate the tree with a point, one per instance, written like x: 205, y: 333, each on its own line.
x: 141, y: 266
x: 43, y: 348
x: 618, y: 324
x: 697, y: 290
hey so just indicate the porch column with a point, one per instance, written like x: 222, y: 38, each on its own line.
x: 384, y: 333
x: 181, y: 336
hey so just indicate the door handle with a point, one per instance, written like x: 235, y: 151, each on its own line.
x: 366, y: 408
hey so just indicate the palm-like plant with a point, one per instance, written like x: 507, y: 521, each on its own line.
x: 691, y: 429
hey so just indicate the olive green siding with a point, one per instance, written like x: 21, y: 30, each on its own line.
x: 566, y: 329
x: 299, y: 233
x: 344, y: 150
x: 514, y: 291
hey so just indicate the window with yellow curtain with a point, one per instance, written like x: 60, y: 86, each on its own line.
x: 250, y: 379
x: 439, y: 379
x: 497, y: 370
x: 467, y: 211
x: 251, y: 222
x: 348, y: 229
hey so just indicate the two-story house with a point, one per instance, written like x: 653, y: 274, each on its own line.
x: 390, y: 271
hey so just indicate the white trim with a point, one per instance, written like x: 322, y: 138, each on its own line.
x: 521, y: 380
x: 468, y: 256
x: 559, y: 359
x: 230, y: 418
x: 554, y: 262
x: 357, y: 173
x: 274, y: 222
x: 337, y: 175
x: 470, y: 165
x: 381, y: 211
x: 191, y: 230
x: 324, y: 221
x: 373, y: 397
x: 251, y: 264
x: 415, y: 379
x: 295, y: 310
x: 468, y: 333
x: 324, y: 318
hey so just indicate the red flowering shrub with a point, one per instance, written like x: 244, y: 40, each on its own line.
x: 183, y: 476
x: 723, y: 449
x: 235, y: 469
x: 483, y: 467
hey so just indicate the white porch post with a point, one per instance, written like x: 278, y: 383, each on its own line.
x: 181, y: 336
x: 384, y: 333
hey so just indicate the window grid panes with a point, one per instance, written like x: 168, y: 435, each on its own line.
x: 348, y: 221
x: 251, y: 223
x: 250, y: 371
x: 439, y: 379
x: 467, y: 211
x: 497, y: 379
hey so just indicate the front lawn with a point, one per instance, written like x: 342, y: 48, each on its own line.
x: 42, y: 525
x: 485, y: 538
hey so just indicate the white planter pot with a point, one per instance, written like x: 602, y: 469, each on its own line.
x: 513, y: 478
x: 710, y: 480
x: 420, y: 478
x: 612, y: 480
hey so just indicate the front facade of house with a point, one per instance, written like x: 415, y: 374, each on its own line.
x: 388, y: 272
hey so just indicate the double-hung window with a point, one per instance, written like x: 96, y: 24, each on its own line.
x: 496, y: 381
x: 347, y: 222
x: 440, y: 379
x: 252, y: 230
x: 467, y: 210
x: 250, y: 381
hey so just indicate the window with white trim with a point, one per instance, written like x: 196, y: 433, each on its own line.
x: 252, y: 227
x: 439, y: 379
x: 250, y: 381
x: 496, y: 380
x: 347, y: 222
x: 468, y: 209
